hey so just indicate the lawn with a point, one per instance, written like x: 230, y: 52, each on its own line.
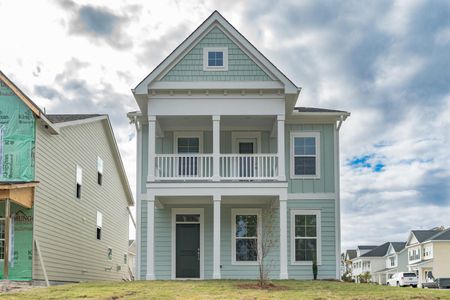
x: 225, y: 289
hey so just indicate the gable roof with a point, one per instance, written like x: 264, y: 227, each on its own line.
x: 379, y: 251
x: 398, y: 246
x: 441, y: 236
x: 366, y: 247
x: 351, y: 254
x: 60, y: 118
x: 423, y: 235
x: 216, y: 19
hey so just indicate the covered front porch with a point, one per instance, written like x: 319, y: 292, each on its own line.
x: 422, y: 269
x: 213, y: 236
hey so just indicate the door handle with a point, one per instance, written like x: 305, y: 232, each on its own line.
x: 198, y: 254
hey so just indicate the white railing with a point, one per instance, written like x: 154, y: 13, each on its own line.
x: 248, y: 166
x: 232, y: 166
x: 183, y: 166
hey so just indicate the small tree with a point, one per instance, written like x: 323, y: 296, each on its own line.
x: 267, y: 242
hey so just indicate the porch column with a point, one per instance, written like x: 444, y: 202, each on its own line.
x: 150, y: 236
x: 216, y: 246
x: 151, y: 148
x: 280, y: 148
x: 216, y: 148
x: 283, y: 237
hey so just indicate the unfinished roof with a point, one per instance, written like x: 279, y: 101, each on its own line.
x: 60, y: 118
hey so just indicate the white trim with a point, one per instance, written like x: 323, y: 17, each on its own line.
x: 151, y: 142
x: 188, y: 134
x: 245, y: 135
x: 80, y: 122
x: 180, y: 211
x: 216, y: 236
x: 304, y: 134
x: 243, y: 211
x: 206, y: 51
x: 138, y: 200
x: 283, y: 238
x: 337, y: 208
x: 312, y: 196
x: 216, y: 85
x: 317, y: 213
x: 281, y: 144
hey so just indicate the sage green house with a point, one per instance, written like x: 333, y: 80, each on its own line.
x: 64, y: 209
x: 230, y: 172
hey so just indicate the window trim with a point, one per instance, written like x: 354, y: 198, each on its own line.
x: 99, y: 226
x: 188, y: 134
x: 206, y: 50
x: 80, y: 183
x: 245, y: 211
x: 100, y: 170
x: 317, y: 213
x: 305, y: 134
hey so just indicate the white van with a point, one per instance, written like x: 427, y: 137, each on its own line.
x: 403, y: 279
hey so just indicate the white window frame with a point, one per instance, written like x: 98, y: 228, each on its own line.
x: 250, y: 136
x: 206, y: 50
x: 100, y: 168
x: 317, y: 213
x: 78, y: 180
x: 305, y: 134
x: 99, y: 225
x: 245, y: 211
x: 188, y: 134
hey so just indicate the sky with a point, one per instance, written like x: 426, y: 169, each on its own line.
x: 386, y: 62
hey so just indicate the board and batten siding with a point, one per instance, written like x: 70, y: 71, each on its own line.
x: 325, y: 184
x: 240, y: 66
x: 65, y: 226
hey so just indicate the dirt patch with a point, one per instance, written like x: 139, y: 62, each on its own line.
x: 269, y: 287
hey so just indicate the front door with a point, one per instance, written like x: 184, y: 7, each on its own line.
x: 188, y: 250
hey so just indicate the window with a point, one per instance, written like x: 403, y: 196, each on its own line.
x: 99, y: 170
x: 109, y: 254
x: 99, y: 225
x: 305, y: 158
x: 189, y: 144
x: 305, y: 233
x: 392, y: 261
x: 125, y: 259
x: 79, y: 180
x: 215, y: 59
x: 246, y: 226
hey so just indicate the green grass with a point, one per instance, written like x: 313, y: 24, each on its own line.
x: 225, y: 289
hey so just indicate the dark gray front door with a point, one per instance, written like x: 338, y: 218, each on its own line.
x: 188, y: 251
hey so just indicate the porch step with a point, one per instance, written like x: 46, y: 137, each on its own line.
x: 11, y: 285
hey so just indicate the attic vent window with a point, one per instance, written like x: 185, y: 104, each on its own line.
x: 215, y: 59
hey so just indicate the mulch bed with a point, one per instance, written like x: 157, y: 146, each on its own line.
x: 269, y: 287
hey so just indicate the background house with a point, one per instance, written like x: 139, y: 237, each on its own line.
x: 65, y: 195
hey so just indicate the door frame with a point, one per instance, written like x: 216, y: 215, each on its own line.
x: 248, y: 135
x: 183, y: 211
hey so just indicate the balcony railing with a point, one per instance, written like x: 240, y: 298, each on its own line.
x: 200, y: 166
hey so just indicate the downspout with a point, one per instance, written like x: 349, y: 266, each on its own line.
x: 337, y: 197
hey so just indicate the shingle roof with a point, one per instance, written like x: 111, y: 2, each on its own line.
x: 379, y: 251
x: 351, y: 254
x: 61, y: 118
x: 423, y: 235
x: 442, y: 236
x: 317, y: 110
x: 398, y: 246
x: 366, y: 247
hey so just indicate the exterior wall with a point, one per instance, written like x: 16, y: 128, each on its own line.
x: 240, y: 66
x: 325, y: 184
x: 402, y: 261
x: 65, y: 226
x: 328, y: 267
x: 441, y: 261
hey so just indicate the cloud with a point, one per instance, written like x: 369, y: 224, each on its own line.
x: 100, y: 24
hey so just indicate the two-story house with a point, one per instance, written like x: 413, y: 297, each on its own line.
x: 429, y: 252
x: 369, y: 260
x: 224, y: 158
x: 64, y: 195
x: 396, y: 260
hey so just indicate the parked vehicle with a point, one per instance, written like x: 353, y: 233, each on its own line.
x: 436, y: 283
x: 403, y: 279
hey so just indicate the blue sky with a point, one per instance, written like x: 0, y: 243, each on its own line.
x: 387, y: 62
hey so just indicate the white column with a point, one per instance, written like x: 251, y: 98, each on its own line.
x: 151, y: 147
x: 216, y: 247
x: 280, y: 148
x: 138, y: 198
x: 150, y: 237
x: 283, y: 237
x: 216, y: 148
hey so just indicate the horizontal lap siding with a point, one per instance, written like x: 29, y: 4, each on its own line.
x: 328, y: 267
x: 325, y: 184
x: 66, y: 226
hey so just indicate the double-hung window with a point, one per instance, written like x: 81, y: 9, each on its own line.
x: 215, y: 59
x: 306, y: 236
x: 305, y: 155
x: 188, y: 145
x: 246, y: 231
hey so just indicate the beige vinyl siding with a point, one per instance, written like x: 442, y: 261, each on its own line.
x: 65, y: 226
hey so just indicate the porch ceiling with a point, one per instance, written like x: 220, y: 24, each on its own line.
x: 20, y: 193
x: 201, y: 200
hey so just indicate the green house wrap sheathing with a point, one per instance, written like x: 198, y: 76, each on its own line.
x: 17, y: 137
